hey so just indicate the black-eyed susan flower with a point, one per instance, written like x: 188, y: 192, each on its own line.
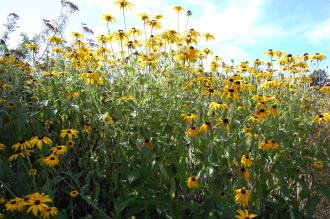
x: 322, y: 117
x: 37, y: 203
x: 231, y: 94
x: 189, y: 117
x: 39, y: 141
x: 251, y: 135
x: 70, y: 144
x: 22, y: 145
x: 15, y: 204
x: 218, y: 105
x: 246, y: 160
x: 51, y: 160
x: 192, y: 182
x: 223, y: 122
x: 70, y: 133
x: 268, y: 145
x: 192, y: 131
x: 247, y: 128
x: 318, y: 164
x: 20, y: 154
x: 74, y: 193
x: 273, y: 110
x: 88, y: 128
x: 2, y: 147
x: 245, y: 173
x: 2, y: 200
x: 11, y: 105
x: 325, y: 89
x: 242, y: 196
x: 245, y: 214
x: 205, y: 127
x: 59, y: 150
x: 127, y: 98
x: 49, y: 212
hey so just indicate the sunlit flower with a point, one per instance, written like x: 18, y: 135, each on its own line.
x: 37, y: 203
x: 74, y: 193
x: 70, y: 133
x: 50, y: 161
x: 242, y: 196
x: 15, y: 204
x: 192, y: 131
x: 318, y: 164
x: 39, y: 141
x: 189, y: 117
x: 246, y: 160
x: 245, y: 214
x: 205, y: 127
x: 192, y: 182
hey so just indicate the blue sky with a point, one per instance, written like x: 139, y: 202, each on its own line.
x: 244, y: 29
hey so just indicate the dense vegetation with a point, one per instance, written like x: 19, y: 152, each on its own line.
x: 152, y: 124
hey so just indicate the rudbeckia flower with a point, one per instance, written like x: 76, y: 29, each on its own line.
x: 50, y: 161
x: 37, y: 203
x: 74, y: 193
x: 189, y: 117
x: 205, y: 127
x: 192, y: 132
x: 246, y: 160
x: 242, y: 196
x: 245, y: 214
x: 70, y: 133
x: 192, y: 182
x: 40, y: 141
x: 15, y: 204
x: 49, y: 212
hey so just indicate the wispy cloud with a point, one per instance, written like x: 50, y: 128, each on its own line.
x: 320, y: 32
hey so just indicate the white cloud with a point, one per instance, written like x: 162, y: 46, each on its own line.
x: 320, y: 32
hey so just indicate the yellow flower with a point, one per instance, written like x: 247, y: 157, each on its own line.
x: 273, y: 110
x: 325, y: 89
x: 268, y: 145
x: 19, y: 153
x: 59, y: 150
x: 2, y: 200
x: 127, y: 98
x: 123, y: 4
x: 70, y: 133
x: 192, y: 182
x: 11, y: 105
x: 70, y: 144
x: 39, y: 141
x: 244, y: 214
x: 246, y: 160
x: 88, y: 127
x: 251, y: 135
x: 16, y: 204
x: 323, y: 117
x: 245, y: 173
x: 50, y: 161
x: 22, y: 145
x: 192, y: 131
x: 37, y: 203
x: 189, y: 117
x: 74, y: 193
x: 2, y: 147
x: 242, y: 196
x: 49, y: 212
x: 318, y: 164
x: 224, y: 122
x: 205, y: 127
x: 108, y: 18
